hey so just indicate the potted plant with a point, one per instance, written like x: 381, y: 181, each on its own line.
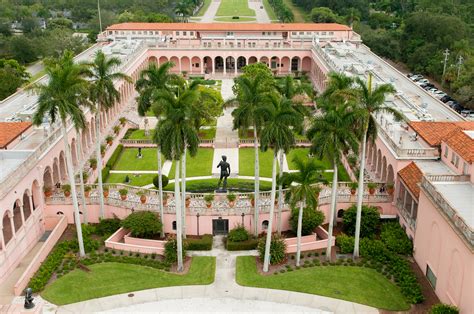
x: 109, y: 139
x: 93, y: 163
x: 85, y: 176
x: 371, y: 186
x: 252, y: 199
x: 66, y: 190
x: 47, y: 191
x: 231, y: 197
x: 122, y: 120
x: 209, y: 198
x: 188, y: 201
x: 390, y: 188
x: 353, y: 186
x: 87, y: 190
x: 102, y: 150
x: 116, y: 129
x: 105, y: 190
x: 123, y: 194
x: 142, y: 196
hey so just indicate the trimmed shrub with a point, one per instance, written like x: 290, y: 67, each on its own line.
x: 369, y: 222
x: 115, y: 156
x: 277, y: 249
x: 143, y: 224
x: 238, y: 234
x: 395, y: 239
x: 441, y: 308
x: 203, y: 244
x: 345, y: 243
x: 107, y: 227
x: 171, y: 251
x: 105, y: 173
x: 250, y: 244
x: 311, y: 219
x: 164, y: 181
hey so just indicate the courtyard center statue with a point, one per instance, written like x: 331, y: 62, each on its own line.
x: 225, y: 172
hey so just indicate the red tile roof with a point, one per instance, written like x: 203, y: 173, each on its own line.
x: 434, y: 132
x: 411, y: 175
x: 231, y: 26
x: 461, y: 143
x: 9, y: 131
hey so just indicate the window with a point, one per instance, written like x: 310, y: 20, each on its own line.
x: 446, y: 151
x: 263, y: 33
x: 185, y: 33
x: 452, y: 157
x: 253, y: 45
x: 239, y: 44
x: 293, y: 33
x: 301, y: 33
x: 173, y: 225
x: 266, y: 45
x: 465, y: 168
x: 191, y: 33
x: 431, y: 276
x: 323, y: 33
x: 265, y: 224
x: 177, y: 33
x: 331, y: 33
x: 456, y: 161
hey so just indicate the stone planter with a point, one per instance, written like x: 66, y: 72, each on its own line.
x: 353, y: 191
x: 372, y: 191
x: 188, y: 202
x: 143, y: 199
x: 106, y: 194
x: 123, y: 197
x: 67, y: 194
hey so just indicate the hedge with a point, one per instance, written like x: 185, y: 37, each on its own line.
x: 105, y: 173
x: 203, y: 244
x: 114, y: 157
x: 150, y: 262
x: 395, y: 239
x: 250, y: 244
x: 441, y: 308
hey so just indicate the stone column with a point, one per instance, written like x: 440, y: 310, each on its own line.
x: 22, y: 215
x: 202, y: 66
x: 12, y: 223
x: 32, y: 208
x: 235, y: 66
x: 2, y: 238
x: 225, y: 65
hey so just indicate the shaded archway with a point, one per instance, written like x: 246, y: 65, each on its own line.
x: 153, y: 59
x: 241, y: 62
x: 390, y: 174
x: 62, y: 166
x: 177, y: 65
x: 17, y: 221
x: 230, y: 63
x: 7, y: 228
x: 196, y: 65
x: 74, y: 152
x: 84, y: 141
x: 163, y: 60
x: 36, y: 194
x: 253, y: 60
x: 208, y: 65
x: 55, y: 171
x: 219, y: 64
x: 48, y: 178
x: 264, y: 60
x: 274, y: 63
x: 306, y: 64
x: 27, y: 208
x: 185, y: 65
x: 295, y: 64
x: 285, y: 65
x: 384, y: 169
x: 379, y: 163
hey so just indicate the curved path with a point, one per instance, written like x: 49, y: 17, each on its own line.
x: 223, y: 292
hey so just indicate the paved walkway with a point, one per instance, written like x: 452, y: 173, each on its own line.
x: 209, y: 15
x: 204, y: 298
x: 258, y: 7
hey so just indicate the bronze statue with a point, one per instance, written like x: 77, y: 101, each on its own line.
x: 225, y: 172
x: 29, y: 299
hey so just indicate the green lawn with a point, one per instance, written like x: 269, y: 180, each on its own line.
x: 200, y: 165
x: 234, y: 8
x: 204, y: 7
x: 299, y: 14
x: 211, y: 184
x: 114, y: 278
x: 231, y: 20
x: 207, y: 134
x: 128, y: 160
x: 139, y: 135
x: 247, y: 162
x: 135, y: 180
x: 355, y: 284
x: 269, y: 9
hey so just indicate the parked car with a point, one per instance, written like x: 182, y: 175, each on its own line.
x: 422, y: 81
x: 446, y: 98
x: 416, y: 77
x: 466, y: 112
x: 439, y: 94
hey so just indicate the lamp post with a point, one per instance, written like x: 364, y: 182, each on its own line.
x: 243, y: 215
x: 197, y: 217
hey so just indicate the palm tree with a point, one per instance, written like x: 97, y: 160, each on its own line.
x: 277, y: 132
x: 104, y: 95
x: 81, y: 177
x: 303, y: 190
x: 175, y: 135
x: 331, y: 134
x: 151, y: 80
x: 60, y: 99
x: 251, y: 96
x: 371, y: 101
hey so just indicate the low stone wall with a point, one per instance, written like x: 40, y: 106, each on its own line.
x: 121, y: 240
x: 61, y: 225
x: 315, y: 241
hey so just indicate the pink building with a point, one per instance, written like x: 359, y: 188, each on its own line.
x: 430, y: 163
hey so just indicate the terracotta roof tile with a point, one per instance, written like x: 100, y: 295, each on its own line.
x: 411, y: 175
x: 461, y: 143
x: 434, y: 132
x: 231, y: 26
x: 9, y: 131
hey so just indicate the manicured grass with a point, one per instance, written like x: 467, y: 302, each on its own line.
x: 139, y: 135
x: 231, y: 20
x: 200, y: 165
x: 300, y: 16
x: 211, y: 184
x: 207, y: 134
x: 355, y: 284
x: 234, y: 8
x: 247, y: 162
x: 135, y: 179
x: 128, y: 160
x: 204, y: 8
x: 269, y: 9
x: 114, y: 278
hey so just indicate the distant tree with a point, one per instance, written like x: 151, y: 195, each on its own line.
x: 12, y: 76
x: 323, y: 15
x: 22, y: 49
x: 60, y: 22
x: 29, y: 24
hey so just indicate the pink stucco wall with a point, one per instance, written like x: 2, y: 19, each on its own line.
x: 316, y: 241
x: 121, y: 240
x: 436, y: 245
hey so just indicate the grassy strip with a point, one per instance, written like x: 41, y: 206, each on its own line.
x: 135, y: 179
x: 355, y: 284
x: 234, y: 8
x: 298, y: 13
x: 130, y: 162
x: 231, y: 20
x: 204, y: 8
x: 106, y: 279
x: 247, y: 162
x: 199, y: 165
x: 269, y: 9
x: 211, y: 184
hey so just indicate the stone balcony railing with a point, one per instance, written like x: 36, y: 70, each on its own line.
x: 197, y: 203
x: 149, y: 143
x: 406, y: 215
x: 447, y: 210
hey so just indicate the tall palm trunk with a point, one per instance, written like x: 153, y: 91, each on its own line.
x: 257, y: 181
x: 81, y: 178
x: 177, y: 200
x: 99, y: 162
x: 298, y: 233
x: 266, y: 260
x: 360, y: 193
x: 183, y: 191
x: 160, y: 189
x: 70, y: 173
x: 333, y: 210
x: 280, y: 193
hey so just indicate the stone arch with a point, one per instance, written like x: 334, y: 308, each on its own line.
x: 379, y: 163
x: 219, y: 64
x: 390, y: 174
x: 253, y: 60
x: 265, y: 61
x: 265, y: 225
x: 185, y: 64
x: 62, y: 166
x: 74, y: 152
x: 27, y: 206
x: 275, y: 63
x: 456, y: 276
x: 7, y: 227
x: 17, y: 220
x: 241, y: 62
x: 84, y: 140
x: 56, y: 178
x: 306, y: 64
x: 153, y: 59
x: 208, y: 64
x: 384, y: 169
x: 163, y: 59
x: 230, y: 63
x: 47, y: 178
x: 92, y: 130
x: 35, y: 194
x: 196, y: 65
x: 177, y: 64
x: 295, y: 64
x: 285, y: 65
